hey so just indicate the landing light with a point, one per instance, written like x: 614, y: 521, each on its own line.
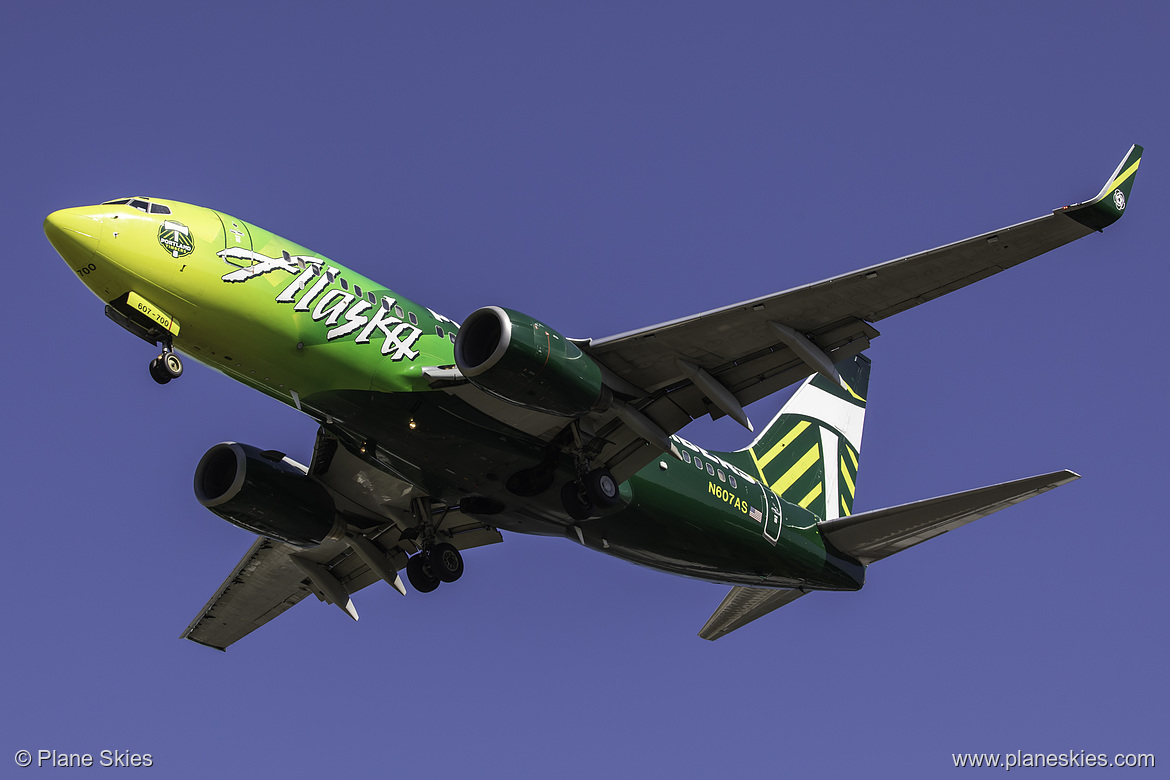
x: 412, y: 424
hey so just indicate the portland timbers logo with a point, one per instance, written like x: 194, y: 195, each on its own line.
x: 175, y: 237
x: 1119, y: 200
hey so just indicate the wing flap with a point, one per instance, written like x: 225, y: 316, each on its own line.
x: 743, y: 605
x: 872, y: 536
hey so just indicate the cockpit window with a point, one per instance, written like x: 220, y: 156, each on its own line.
x: 141, y: 204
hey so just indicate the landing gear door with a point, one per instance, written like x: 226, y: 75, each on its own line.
x: 773, y: 516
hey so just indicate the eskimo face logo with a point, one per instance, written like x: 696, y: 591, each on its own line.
x: 1119, y: 200
x: 175, y: 237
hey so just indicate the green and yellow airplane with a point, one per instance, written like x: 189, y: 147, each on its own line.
x: 436, y: 436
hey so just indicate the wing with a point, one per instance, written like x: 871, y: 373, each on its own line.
x: 273, y: 576
x: 716, y: 362
x: 264, y: 584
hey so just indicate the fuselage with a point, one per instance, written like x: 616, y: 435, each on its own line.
x: 351, y: 353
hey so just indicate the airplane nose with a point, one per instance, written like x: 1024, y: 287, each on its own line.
x: 74, y: 234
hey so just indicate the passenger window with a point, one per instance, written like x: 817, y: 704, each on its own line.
x: 698, y: 464
x: 686, y: 456
x: 413, y: 319
x: 439, y: 330
x: 722, y: 476
x: 373, y: 299
x: 357, y: 291
x: 344, y: 284
x: 731, y: 479
x: 452, y: 337
x: 398, y: 311
x: 710, y: 469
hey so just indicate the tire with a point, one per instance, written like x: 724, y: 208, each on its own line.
x: 421, y: 575
x: 446, y: 562
x: 602, y: 488
x: 578, y: 507
x: 158, y: 373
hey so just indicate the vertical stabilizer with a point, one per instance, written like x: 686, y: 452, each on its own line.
x: 808, y: 454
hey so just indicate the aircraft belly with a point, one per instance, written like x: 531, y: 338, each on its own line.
x: 431, y: 440
x: 670, y: 519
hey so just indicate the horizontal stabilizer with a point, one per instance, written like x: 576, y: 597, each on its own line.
x: 871, y: 536
x: 743, y: 605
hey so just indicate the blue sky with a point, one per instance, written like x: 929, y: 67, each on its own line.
x: 602, y: 166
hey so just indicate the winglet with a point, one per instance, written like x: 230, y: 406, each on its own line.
x: 1105, y: 209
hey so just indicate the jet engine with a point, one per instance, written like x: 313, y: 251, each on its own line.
x: 265, y: 493
x: 525, y: 362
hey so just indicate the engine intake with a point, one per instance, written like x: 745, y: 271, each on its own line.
x: 265, y: 493
x: 525, y: 362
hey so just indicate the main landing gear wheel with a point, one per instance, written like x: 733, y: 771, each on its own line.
x: 421, y: 574
x: 602, y: 487
x: 446, y: 562
x: 575, y: 502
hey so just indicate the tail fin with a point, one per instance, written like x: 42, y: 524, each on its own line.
x: 809, y: 453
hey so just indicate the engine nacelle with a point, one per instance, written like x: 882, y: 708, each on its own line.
x: 527, y: 363
x: 265, y: 493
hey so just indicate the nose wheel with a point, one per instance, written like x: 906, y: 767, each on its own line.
x: 166, y: 366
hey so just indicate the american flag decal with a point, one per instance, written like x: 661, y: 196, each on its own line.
x: 754, y: 514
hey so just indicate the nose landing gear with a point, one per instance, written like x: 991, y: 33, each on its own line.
x: 166, y: 366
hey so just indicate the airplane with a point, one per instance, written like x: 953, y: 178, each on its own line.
x: 434, y: 437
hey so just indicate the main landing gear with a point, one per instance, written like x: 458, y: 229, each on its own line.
x: 596, y: 489
x: 436, y: 562
x: 428, y: 569
x: 593, y: 488
x: 166, y: 366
